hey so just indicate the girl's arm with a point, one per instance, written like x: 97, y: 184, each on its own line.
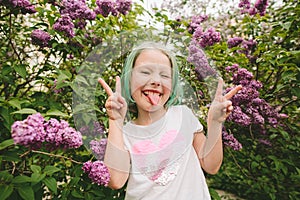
x: 116, y: 157
x: 210, y: 149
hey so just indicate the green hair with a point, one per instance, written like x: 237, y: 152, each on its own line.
x: 176, y: 92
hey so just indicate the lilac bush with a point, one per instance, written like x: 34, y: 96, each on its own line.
x: 249, y: 107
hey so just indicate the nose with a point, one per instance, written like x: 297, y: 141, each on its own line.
x: 155, y: 80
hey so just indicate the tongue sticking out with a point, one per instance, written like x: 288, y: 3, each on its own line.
x: 153, y: 98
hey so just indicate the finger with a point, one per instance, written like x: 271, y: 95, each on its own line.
x: 112, y: 105
x: 105, y: 86
x: 232, y: 92
x: 219, y: 88
x: 118, y: 85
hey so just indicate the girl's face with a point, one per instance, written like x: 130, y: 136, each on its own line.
x: 151, y: 80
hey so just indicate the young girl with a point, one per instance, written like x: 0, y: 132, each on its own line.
x: 162, y: 151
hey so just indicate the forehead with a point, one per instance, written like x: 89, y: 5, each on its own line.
x: 152, y: 56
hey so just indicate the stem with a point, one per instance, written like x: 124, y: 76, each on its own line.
x: 51, y: 155
x: 57, y: 156
x: 237, y: 164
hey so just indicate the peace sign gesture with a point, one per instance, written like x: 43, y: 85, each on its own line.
x: 115, y: 105
x: 221, y: 106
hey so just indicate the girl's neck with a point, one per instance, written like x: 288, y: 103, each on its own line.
x: 146, y: 118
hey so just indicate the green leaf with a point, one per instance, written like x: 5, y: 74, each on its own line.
x: 74, y: 181
x: 26, y: 192
x: 54, y: 112
x: 21, y: 179
x: 5, y: 191
x: 21, y: 69
x: 25, y: 111
x: 49, y: 170
x: 6, y: 143
x: 77, y: 194
x: 50, y: 182
x: 15, y: 103
x: 5, y: 176
x: 36, y: 169
x: 37, y: 177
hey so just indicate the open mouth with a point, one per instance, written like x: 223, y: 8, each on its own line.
x: 153, y: 96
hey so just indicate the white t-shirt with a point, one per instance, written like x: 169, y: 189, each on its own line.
x: 164, y: 164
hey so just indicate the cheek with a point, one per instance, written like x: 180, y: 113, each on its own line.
x: 167, y: 85
x: 136, y: 83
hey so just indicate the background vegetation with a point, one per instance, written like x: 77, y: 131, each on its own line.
x: 39, y: 77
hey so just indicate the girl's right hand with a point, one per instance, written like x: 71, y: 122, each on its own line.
x: 115, y: 105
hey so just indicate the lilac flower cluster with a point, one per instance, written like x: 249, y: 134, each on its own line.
x: 235, y: 41
x: 35, y: 130
x: 65, y: 25
x: 29, y: 132
x: 248, y: 46
x: 40, y: 38
x: 97, y: 129
x: 24, y: 5
x: 196, y: 22
x: 230, y: 141
x: 97, y: 172
x: 207, y: 38
x: 198, y: 58
x: 77, y: 10
x: 203, y: 38
x: 106, y: 7
x: 60, y: 134
x: 259, y: 7
x: 249, y: 108
x: 98, y: 148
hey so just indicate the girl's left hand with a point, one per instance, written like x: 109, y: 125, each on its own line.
x: 221, y: 106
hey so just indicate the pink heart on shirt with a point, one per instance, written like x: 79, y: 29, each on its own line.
x: 147, y: 146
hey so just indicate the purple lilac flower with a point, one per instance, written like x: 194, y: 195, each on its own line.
x: 196, y: 22
x: 207, y: 38
x: 77, y: 9
x: 24, y: 5
x: 230, y: 141
x: 239, y: 117
x: 29, y: 132
x: 198, y: 58
x: 98, y: 148
x: 123, y: 6
x: 60, y: 134
x: 249, y: 108
x: 65, y: 25
x: 106, y: 7
x: 99, y: 128
x: 244, y: 5
x: 34, y: 131
x: 261, y: 6
x: 40, y: 38
x: 233, y: 42
x: 97, y: 172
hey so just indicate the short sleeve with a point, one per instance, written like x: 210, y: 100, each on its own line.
x: 195, y: 125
